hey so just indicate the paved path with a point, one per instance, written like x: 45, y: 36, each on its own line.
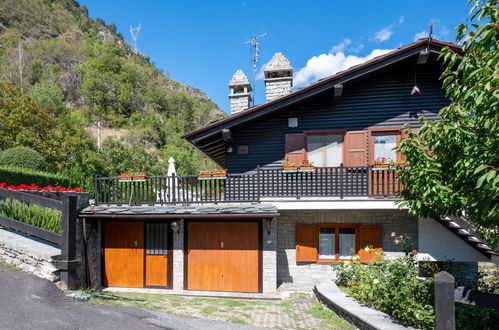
x: 28, y: 302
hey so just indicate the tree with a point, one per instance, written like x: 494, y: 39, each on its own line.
x: 49, y: 95
x: 453, y: 162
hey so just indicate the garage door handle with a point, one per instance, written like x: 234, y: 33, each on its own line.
x: 135, y: 243
x: 222, y: 245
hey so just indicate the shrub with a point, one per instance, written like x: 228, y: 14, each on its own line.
x: 23, y: 157
x: 35, y: 215
x: 18, y: 176
x: 391, y: 287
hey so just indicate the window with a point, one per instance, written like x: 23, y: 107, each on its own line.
x: 326, y: 243
x: 384, y: 146
x: 325, y: 150
x: 336, y: 242
x: 156, y: 238
x: 347, y: 243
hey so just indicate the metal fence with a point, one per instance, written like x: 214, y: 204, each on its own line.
x: 341, y: 182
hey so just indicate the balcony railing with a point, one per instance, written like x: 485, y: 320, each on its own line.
x: 335, y: 182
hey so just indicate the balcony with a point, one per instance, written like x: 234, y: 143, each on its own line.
x: 341, y: 182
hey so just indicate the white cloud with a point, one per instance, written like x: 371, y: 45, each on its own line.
x: 401, y: 19
x: 341, y: 46
x: 420, y: 35
x: 384, y: 34
x: 325, y: 65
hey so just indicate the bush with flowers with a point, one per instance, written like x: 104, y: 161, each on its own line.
x: 35, y: 187
x: 391, y: 286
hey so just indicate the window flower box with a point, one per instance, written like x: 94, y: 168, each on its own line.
x: 219, y: 173
x: 288, y: 167
x: 129, y: 176
x: 306, y: 166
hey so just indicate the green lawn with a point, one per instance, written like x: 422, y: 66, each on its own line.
x: 300, y: 311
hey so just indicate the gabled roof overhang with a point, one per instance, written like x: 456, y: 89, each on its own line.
x: 209, y: 138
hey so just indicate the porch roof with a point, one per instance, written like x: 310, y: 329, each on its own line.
x: 260, y: 210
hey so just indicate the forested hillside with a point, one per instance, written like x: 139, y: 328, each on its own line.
x: 61, y: 72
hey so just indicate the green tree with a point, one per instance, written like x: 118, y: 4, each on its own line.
x: 453, y: 162
x: 23, y: 157
x: 49, y: 95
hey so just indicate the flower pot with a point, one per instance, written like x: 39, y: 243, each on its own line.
x: 125, y: 178
x: 204, y: 175
x: 219, y: 175
x: 306, y: 169
x: 139, y: 177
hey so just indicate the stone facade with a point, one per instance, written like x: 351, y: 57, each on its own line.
x: 29, y: 254
x: 278, y: 77
x: 277, y: 87
x: 293, y: 276
x: 178, y: 257
x: 465, y: 273
x: 240, y: 89
x: 269, y: 256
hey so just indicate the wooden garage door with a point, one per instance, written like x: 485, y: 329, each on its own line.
x: 223, y: 256
x: 124, y: 254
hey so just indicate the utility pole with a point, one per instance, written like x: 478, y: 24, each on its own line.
x: 254, y: 43
x: 135, y: 36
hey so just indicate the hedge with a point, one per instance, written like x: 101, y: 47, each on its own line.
x: 18, y: 175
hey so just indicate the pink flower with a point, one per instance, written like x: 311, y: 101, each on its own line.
x: 397, y: 241
x: 414, y: 251
x: 392, y: 234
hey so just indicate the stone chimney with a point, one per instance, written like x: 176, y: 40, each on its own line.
x: 278, y: 77
x: 240, y: 89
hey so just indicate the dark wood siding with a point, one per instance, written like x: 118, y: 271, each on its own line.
x: 382, y: 100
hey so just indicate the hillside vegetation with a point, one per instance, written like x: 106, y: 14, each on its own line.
x: 61, y: 72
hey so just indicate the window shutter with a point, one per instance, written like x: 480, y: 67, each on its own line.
x: 369, y: 236
x: 356, y: 148
x: 295, y: 147
x: 306, y: 243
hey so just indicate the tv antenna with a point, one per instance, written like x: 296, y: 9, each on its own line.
x: 134, y: 31
x: 254, y: 43
x: 431, y: 28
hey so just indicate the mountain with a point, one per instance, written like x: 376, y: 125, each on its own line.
x: 83, y: 72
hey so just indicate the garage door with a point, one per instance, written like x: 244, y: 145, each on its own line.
x: 129, y: 261
x: 124, y: 254
x: 223, y: 256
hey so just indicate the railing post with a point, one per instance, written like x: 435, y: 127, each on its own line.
x: 341, y: 180
x: 444, y: 301
x: 96, y: 190
x: 258, y: 183
x: 174, y: 187
x: 67, y: 264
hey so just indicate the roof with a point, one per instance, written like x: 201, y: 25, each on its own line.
x: 181, y: 211
x: 463, y: 228
x: 208, y: 133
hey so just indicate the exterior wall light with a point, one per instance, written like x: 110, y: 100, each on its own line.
x: 175, y: 226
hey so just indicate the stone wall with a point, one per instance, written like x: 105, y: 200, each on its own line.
x: 239, y: 102
x: 269, y: 256
x: 277, y: 87
x: 178, y: 257
x: 29, y: 254
x: 465, y: 273
x: 293, y: 276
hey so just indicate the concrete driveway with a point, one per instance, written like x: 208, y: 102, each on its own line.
x: 28, y: 302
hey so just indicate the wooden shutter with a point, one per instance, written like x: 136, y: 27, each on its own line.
x: 295, y: 147
x: 306, y: 243
x: 355, y: 145
x: 369, y: 236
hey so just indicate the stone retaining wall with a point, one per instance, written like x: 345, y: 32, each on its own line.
x: 29, y: 254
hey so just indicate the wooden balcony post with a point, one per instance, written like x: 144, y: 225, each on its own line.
x: 342, y: 169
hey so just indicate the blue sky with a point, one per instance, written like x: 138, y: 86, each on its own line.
x: 200, y: 43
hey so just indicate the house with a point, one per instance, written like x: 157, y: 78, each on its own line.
x: 260, y: 228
